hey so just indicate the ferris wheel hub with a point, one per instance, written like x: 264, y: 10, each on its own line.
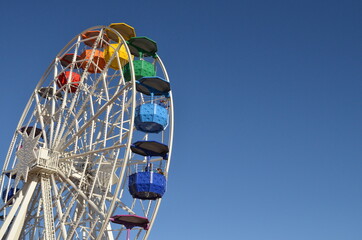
x: 33, y: 160
x: 46, y: 162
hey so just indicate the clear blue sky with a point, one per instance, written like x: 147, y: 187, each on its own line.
x: 267, y: 102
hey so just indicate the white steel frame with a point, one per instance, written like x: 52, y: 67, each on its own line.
x: 75, y: 177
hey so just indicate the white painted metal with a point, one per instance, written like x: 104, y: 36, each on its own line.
x: 18, y: 223
x: 71, y: 169
x: 47, y: 207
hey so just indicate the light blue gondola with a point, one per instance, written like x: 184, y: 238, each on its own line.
x: 152, y: 117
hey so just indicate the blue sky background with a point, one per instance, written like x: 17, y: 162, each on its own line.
x: 267, y: 107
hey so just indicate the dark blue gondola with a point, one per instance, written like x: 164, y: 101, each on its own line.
x: 12, y: 176
x: 148, y: 185
x: 11, y: 193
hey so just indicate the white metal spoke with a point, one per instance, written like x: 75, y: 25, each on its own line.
x: 104, y: 107
x: 91, y: 203
x: 58, y: 207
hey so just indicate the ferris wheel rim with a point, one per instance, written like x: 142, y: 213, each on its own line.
x: 126, y: 155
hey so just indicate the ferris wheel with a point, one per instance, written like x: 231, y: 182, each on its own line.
x: 90, y: 156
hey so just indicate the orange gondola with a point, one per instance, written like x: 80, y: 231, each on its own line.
x: 96, y: 65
